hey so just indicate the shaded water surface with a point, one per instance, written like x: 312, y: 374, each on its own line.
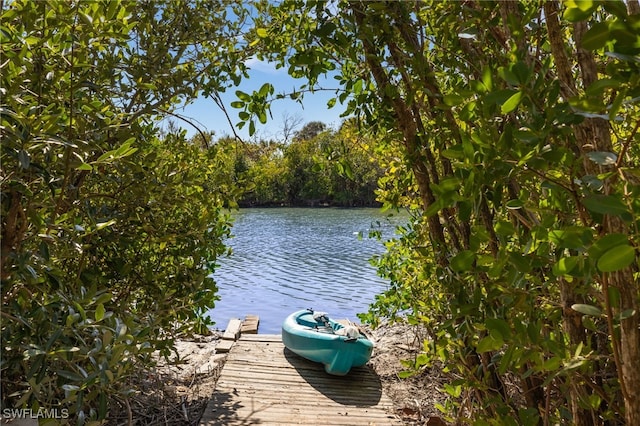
x: 286, y: 259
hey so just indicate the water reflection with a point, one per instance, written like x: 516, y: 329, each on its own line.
x: 287, y: 259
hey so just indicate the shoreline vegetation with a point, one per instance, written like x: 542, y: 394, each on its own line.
x: 308, y: 204
x: 318, y: 167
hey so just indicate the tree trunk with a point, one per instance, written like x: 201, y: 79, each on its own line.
x: 591, y: 135
x: 598, y: 138
x: 629, y: 344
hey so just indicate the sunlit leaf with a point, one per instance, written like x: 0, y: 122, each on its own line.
x: 572, y: 238
x: 616, y: 258
x: 511, y: 103
x: 586, y: 309
x: 552, y: 364
x: 243, y: 96
x: 607, y: 242
x: 106, y: 224
x: 100, y: 311
x: 514, y: 204
x: 565, y: 265
x: 84, y: 166
x: 578, y: 10
x: 405, y: 374
x: 489, y: 343
x: 453, y: 99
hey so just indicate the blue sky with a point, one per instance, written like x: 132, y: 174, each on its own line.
x: 206, y: 114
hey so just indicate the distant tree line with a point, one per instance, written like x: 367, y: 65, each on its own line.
x: 318, y: 167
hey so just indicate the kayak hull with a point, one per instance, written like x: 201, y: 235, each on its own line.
x: 315, y: 341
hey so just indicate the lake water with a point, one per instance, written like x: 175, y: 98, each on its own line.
x: 286, y: 259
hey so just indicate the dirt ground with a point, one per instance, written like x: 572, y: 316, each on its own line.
x: 177, y: 393
x: 414, y: 398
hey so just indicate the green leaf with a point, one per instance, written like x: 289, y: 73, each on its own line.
x: 627, y: 313
x: 514, y: 204
x: 453, y: 153
x: 489, y: 343
x: 262, y: 32
x: 617, y: 104
x: 24, y: 158
x: 453, y: 390
x: 565, y: 265
x: 603, y: 158
x: 579, y: 10
x: 487, y: 79
x: 84, y: 166
x: 587, y: 309
x: 106, y: 224
x: 511, y: 103
x: 619, y: 257
x: 434, y: 208
x: 522, y: 263
x: 243, y: 96
x: 571, y: 238
x: 598, y: 87
x: 551, y: 364
x: 446, y: 186
x: 265, y: 89
x: 453, y: 99
x: 30, y: 353
x: 100, y: 311
x: 70, y: 388
x: 463, y: 261
x: 597, y: 36
x: 605, y: 243
x: 607, y: 204
x: 503, y: 227
x: 348, y: 171
x: 405, y: 374
x: 326, y: 29
x: 498, y: 325
x: 70, y: 375
x: 616, y: 7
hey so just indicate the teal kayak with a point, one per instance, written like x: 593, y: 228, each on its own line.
x: 314, y: 336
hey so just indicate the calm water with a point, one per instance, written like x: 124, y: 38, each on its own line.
x: 285, y: 259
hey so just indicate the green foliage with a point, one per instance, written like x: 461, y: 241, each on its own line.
x: 519, y: 163
x: 109, y: 229
x: 317, y: 167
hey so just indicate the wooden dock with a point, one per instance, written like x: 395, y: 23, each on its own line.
x: 264, y: 383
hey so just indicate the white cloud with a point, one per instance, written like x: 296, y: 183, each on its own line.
x: 262, y: 66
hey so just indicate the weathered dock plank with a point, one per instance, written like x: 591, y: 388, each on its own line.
x: 264, y: 383
x: 232, y: 332
x: 250, y: 324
